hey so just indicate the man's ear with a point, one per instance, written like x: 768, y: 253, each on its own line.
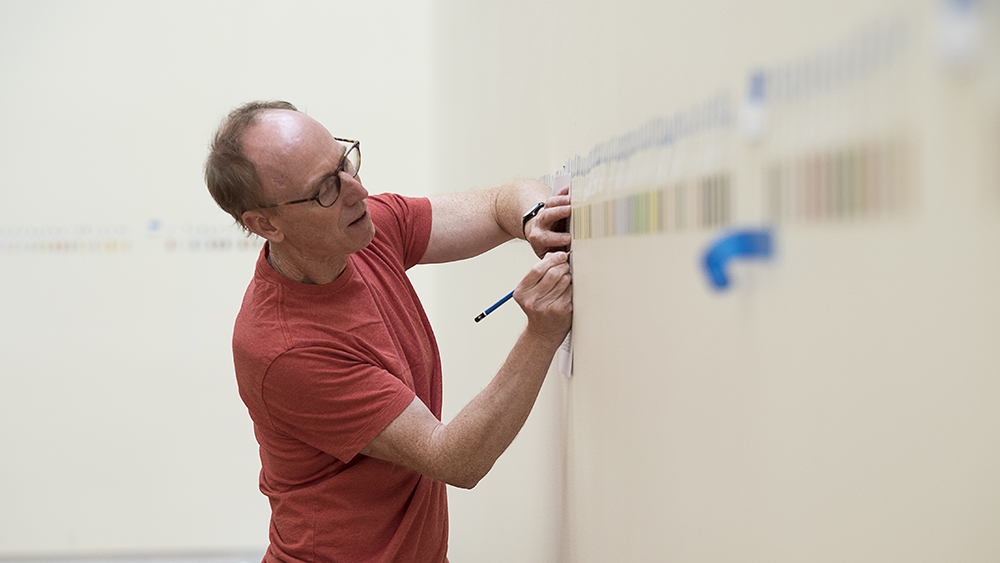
x: 260, y: 224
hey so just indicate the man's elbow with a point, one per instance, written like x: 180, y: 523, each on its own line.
x: 467, y: 483
x: 467, y: 477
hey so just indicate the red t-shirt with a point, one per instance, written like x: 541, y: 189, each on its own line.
x: 322, y: 370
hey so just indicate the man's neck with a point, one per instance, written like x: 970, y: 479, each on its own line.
x: 317, y: 273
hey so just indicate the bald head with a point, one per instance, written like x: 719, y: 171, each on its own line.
x: 281, y: 144
x: 230, y: 173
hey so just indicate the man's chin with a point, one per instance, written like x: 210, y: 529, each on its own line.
x: 370, y: 235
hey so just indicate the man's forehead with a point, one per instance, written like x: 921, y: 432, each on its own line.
x: 281, y: 130
x: 280, y: 135
x: 285, y: 144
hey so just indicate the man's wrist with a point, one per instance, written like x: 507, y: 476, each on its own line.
x: 529, y: 216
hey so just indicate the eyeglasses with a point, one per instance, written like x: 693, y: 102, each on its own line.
x: 329, y: 188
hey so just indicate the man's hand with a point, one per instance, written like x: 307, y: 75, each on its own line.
x: 546, y: 296
x: 548, y: 231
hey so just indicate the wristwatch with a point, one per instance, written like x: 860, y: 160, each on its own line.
x: 529, y: 216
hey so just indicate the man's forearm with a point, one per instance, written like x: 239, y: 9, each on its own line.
x: 488, y: 424
x: 463, y: 451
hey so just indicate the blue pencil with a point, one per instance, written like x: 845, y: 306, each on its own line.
x: 494, y: 306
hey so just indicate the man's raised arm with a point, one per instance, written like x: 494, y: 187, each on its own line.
x: 466, y: 224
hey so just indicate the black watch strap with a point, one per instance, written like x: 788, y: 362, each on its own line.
x: 529, y: 216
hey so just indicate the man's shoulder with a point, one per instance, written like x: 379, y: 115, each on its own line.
x: 397, y: 205
x: 401, y: 222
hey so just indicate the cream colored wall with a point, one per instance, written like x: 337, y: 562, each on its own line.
x: 121, y: 430
x: 838, y: 402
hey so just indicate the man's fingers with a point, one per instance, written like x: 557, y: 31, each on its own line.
x: 546, y: 295
x: 556, y: 285
x: 554, y: 210
x: 558, y: 200
x: 551, y: 239
x: 539, y: 271
x: 548, y: 286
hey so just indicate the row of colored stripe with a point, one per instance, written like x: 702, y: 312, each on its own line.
x: 64, y: 246
x: 860, y: 181
x: 25, y: 246
x: 706, y: 203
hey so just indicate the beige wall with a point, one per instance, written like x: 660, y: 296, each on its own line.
x: 835, y: 404
x: 120, y: 425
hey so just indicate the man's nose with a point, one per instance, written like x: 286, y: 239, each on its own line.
x: 351, y: 188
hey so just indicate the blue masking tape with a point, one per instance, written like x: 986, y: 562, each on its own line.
x: 746, y: 243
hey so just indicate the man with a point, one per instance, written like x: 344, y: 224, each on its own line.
x: 335, y: 358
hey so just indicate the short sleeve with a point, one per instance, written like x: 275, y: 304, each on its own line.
x: 404, y: 222
x: 330, y: 400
